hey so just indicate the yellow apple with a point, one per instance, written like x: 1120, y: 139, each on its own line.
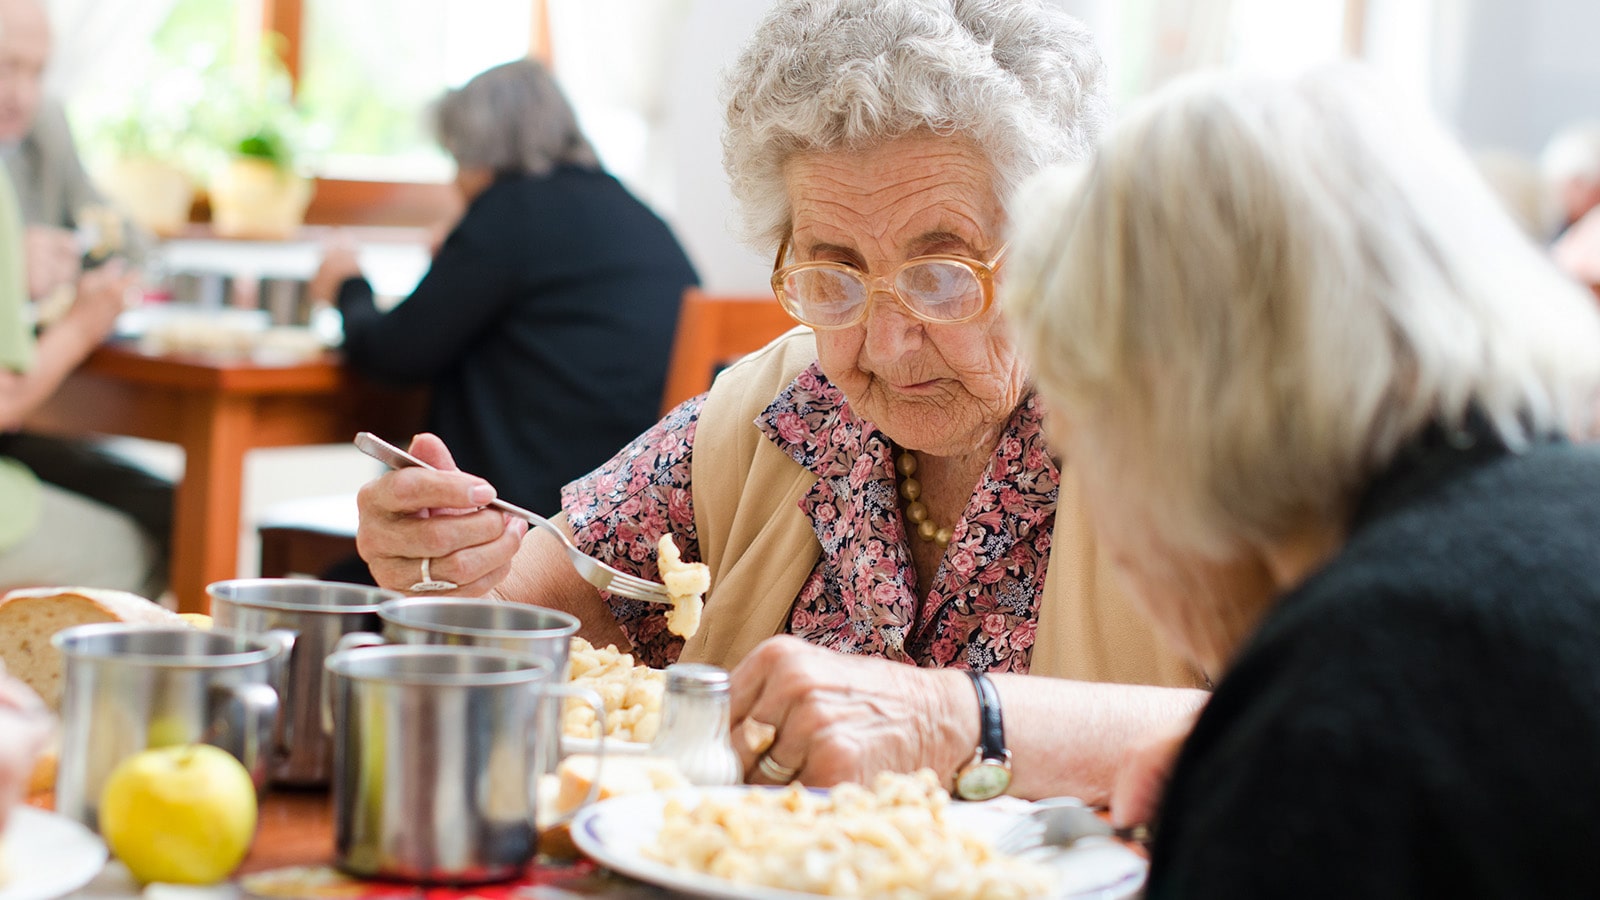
x: 182, y: 815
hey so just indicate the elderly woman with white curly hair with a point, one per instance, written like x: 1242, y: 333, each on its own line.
x: 876, y: 487
x: 1286, y: 329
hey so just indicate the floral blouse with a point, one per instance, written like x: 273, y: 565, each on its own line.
x: 982, y: 610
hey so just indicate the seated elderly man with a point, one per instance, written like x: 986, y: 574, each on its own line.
x: 875, y: 490
x: 49, y: 535
x: 50, y: 189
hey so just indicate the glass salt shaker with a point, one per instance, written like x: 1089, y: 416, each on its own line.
x: 694, y: 725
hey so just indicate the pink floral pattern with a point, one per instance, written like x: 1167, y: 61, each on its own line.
x: 982, y: 609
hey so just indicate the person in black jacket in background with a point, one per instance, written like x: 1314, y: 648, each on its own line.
x: 544, y: 324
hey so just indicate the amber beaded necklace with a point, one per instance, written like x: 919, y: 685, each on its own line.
x: 916, y: 512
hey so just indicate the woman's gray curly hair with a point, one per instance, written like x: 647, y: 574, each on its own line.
x: 1022, y: 80
x: 512, y: 120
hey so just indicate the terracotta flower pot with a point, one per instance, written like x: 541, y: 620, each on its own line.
x: 252, y: 198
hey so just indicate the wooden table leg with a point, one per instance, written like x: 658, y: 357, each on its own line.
x: 217, y: 432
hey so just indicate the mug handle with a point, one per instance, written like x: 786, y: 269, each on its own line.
x: 548, y: 693
x: 242, y: 718
x: 283, y: 730
x: 349, y: 641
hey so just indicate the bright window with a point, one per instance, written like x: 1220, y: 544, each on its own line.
x: 369, y: 70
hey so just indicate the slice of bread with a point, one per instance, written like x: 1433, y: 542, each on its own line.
x: 619, y: 776
x: 566, y: 790
x: 29, y: 617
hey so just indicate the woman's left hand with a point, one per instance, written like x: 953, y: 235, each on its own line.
x: 1142, y: 777
x: 340, y: 261
x: 842, y: 718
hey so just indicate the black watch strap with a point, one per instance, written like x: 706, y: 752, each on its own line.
x: 991, y: 729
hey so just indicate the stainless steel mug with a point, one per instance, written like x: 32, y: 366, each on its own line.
x: 316, y: 614
x: 435, y: 747
x: 514, y: 627
x: 128, y: 688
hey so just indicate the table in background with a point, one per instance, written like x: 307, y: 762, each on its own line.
x: 217, y: 410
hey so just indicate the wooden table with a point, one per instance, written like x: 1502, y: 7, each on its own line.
x: 296, y: 830
x: 217, y: 410
x: 294, y: 839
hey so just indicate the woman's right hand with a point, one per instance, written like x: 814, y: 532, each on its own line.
x: 101, y: 297
x: 412, y: 514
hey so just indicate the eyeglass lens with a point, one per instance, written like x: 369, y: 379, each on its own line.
x: 935, y: 289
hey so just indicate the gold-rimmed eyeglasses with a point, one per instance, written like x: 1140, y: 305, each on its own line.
x: 940, y: 288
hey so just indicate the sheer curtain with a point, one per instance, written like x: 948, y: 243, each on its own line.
x: 95, y: 38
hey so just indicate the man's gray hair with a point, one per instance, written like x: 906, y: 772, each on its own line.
x: 1020, y: 79
x: 1259, y: 292
x: 513, y: 120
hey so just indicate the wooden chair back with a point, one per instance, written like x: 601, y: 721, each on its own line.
x: 714, y: 331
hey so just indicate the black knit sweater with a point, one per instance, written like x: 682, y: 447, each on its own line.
x: 1421, y: 717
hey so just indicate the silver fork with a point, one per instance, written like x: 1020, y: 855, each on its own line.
x: 597, y: 573
x: 1062, y: 822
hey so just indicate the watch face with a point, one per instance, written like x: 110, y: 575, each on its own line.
x: 983, y: 780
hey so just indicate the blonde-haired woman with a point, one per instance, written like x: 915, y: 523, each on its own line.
x: 1289, y: 336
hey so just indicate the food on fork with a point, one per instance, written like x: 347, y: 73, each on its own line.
x: 686, y: 584
x: 631, y: 693
x: 894, y: 839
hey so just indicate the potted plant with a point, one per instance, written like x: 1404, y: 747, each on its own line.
x: 149, y: 157
x: 257, y: 193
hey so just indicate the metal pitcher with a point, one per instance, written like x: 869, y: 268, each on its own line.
x: 128, y: 688
x: 315, y: 614
x: 435, y: 747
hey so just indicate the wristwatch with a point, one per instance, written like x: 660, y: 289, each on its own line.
x: 988, y: 773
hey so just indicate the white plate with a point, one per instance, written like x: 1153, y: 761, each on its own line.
x: 614, y: 833
x: 47, y: 855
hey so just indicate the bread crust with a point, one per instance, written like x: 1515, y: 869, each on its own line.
x: 30, y: 617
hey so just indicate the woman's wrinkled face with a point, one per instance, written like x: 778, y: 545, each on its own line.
x: 940, y: 389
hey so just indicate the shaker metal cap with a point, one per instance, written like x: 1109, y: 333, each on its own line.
x: 696, y: 678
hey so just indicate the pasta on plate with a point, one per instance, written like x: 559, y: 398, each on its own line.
x: 894, y: 840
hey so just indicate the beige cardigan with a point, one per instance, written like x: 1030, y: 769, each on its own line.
x: 761, y: 548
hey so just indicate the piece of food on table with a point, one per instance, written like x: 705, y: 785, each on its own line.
x: 25, y: 726
x: 30, y: 617
x: 686, y: 585
x: 199, y: 621
x: 619, y: 776
x: 631, y: 692
x: 894, y: 839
